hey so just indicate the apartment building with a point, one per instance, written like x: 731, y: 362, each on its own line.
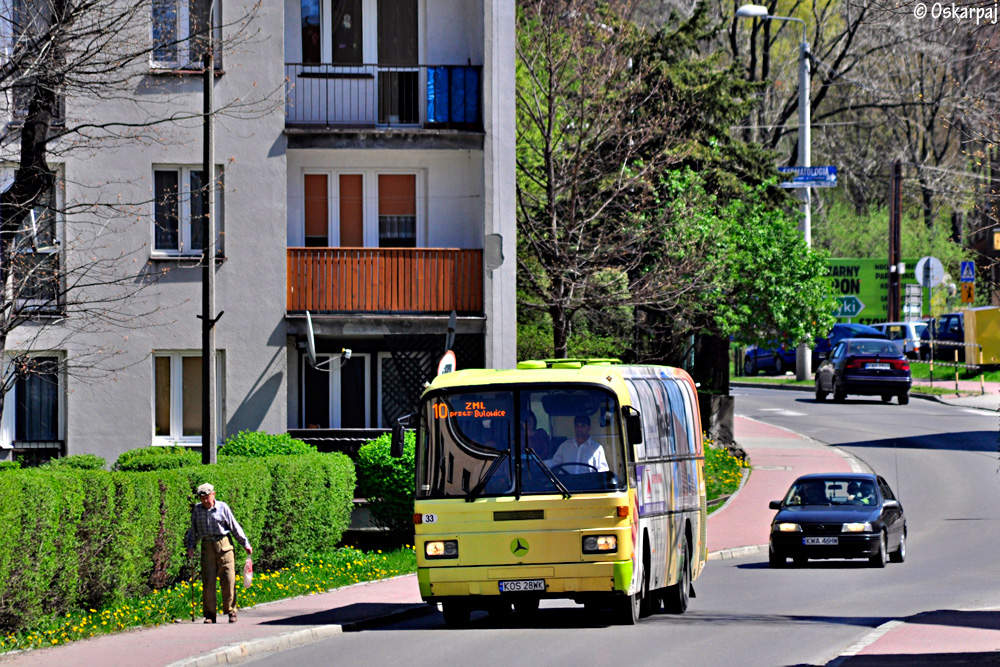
x: 376, y: 194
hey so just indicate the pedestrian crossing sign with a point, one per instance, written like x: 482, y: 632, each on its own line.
x: 968, y: 272
x: 968, y: 292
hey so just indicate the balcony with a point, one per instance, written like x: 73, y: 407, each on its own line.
x: 385, y: 280
x: 325, y: 96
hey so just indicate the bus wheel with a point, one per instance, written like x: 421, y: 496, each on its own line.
x: 456, y: 614
x: 627, y: 609
x: 675, y: 598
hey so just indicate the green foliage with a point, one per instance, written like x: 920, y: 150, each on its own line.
x: 259, y: 443
x: 388, y: 483
x: 723, y: 472
x: 10, y: 465
x: 86, y: 537
x: 311, y: 502
x: 79, y: 461
x: 145, y: 459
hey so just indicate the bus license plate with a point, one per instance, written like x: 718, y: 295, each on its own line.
x: 522, y: 585
x: 819, y: 540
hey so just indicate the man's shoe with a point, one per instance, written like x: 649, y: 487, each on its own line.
x: 232, y: 616
x: 209, y: 620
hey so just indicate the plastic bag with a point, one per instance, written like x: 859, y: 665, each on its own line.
x: 248, y: 573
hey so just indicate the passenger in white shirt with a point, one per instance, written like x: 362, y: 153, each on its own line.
x: 581, y: 449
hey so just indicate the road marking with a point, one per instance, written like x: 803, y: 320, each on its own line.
x: 781, y: 412
x: 867, y: 640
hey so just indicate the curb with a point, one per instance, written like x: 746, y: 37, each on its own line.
x: 737, y: 552
x: 237, y: 653
x: 795, y: 387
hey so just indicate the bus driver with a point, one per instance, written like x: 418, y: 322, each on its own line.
x: 580, y: 449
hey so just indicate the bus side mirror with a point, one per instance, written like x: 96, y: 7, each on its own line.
x: 398, y: 432
x: 633, y: 425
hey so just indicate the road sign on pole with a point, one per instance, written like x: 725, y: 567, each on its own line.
x: 968, y: 292
x: 968, y: 272
x: 930, y: 271
x: 810, y: 177
x: 850, y: 306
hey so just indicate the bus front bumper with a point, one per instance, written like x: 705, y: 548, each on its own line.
x: 562, y: 580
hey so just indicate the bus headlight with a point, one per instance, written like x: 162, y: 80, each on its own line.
x: 865, y: 527
x: 600, y: 544
x: 787, y: 528
x: 441, y: 549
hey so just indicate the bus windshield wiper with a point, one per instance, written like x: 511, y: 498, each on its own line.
x: 478, y: 488
x: 548, y: 472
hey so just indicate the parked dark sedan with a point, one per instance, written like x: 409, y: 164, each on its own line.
x: 865, y: 366
x: 838, y: 515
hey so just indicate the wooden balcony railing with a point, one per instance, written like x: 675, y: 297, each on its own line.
x: 385, y: 280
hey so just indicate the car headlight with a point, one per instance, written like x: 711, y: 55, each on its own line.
x: 865, y: 527
x: 441, y: 549
x: 600, y: 544
x: 787, y: 528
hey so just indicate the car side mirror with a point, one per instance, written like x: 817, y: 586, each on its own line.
x: 890, y: 503
x: 398, y: 435
x: 633, y: 425
x: 774, y: 504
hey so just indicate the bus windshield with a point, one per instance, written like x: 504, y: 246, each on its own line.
x: 485, y: 442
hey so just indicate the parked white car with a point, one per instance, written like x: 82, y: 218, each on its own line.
x: 906, y: 335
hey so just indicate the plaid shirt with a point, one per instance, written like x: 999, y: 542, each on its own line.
x: 213, y: 523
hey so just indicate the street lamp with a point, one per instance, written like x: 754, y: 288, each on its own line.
x: 803, y: 358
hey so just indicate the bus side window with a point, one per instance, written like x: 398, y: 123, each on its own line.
x: 633, y: 395
x: 662, y: 417
x: 680, y: 419
x: 693, y: 418
x: 650, y: 428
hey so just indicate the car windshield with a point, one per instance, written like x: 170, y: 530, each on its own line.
x: 486, y: 442
x: 872, y: 348
x: 831, y: 492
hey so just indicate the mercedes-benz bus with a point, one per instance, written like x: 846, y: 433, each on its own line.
x: 578, y: 479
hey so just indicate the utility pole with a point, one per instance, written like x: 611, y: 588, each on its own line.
x: 209, y: 436
x: 895, y: 238
x: 803, y: 356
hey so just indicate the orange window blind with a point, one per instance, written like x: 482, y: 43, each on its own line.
x: 351, y: 211
x: 316, y: 205
x: 397, y: 194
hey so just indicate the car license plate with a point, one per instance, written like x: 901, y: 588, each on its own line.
x: 820, y: 540
x: 522, y: 585
x: 877, y: 367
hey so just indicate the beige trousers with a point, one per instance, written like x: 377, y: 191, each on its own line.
x: 217, y: 560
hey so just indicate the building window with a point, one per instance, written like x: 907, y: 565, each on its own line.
x: 32, y: 409
x: 177, y: 397
x: 332, y: 32
x: 178, y: 39
x: 357, y: 210
x: 397, y: 211
x: 35, y: 282
x: 179, y: 210
x: 339, y: 397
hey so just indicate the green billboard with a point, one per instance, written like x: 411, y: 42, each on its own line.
x: 863, y: 288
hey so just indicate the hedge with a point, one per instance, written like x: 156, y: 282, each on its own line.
x: 388, y: 483
x: 157, y: 458
x: 72, y: 538
x: 259, y: 443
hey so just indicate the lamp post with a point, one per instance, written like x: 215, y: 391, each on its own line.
x: 803, y: 357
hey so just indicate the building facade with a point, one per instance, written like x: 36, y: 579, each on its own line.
x: 374, y: 191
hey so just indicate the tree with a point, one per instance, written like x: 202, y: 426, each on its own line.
x: 592, y: 135
x: 64, y: 271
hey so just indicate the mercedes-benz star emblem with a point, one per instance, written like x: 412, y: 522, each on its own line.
x: 519, y: 547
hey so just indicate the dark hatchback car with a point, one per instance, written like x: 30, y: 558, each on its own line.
x: 838, y: 515
x: 866, y: 366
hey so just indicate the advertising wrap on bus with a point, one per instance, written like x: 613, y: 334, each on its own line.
x: 867, y: 281
x: 578, y: 479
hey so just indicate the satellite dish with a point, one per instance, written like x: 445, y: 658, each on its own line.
x: 310, y: 341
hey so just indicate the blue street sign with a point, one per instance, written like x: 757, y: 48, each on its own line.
x: 968, y: 272
x: 810, y: 177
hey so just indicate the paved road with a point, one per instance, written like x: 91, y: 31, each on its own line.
x: 746, y: 613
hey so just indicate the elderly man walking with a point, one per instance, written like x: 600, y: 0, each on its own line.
x: 211, y: 523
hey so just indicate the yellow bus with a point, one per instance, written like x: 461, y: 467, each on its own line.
x: 580, y: 479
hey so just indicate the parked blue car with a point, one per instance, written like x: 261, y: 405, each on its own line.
x: 781, y: 358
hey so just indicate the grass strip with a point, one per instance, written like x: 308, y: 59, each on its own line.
x: 318, y: 574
